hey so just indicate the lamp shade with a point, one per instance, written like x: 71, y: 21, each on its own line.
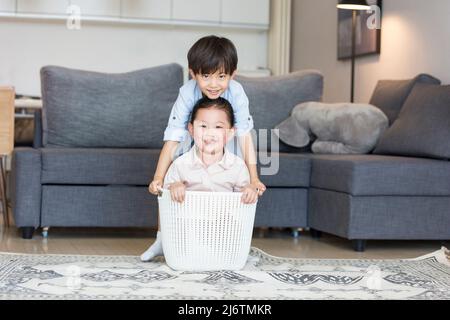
x: 353, y: 5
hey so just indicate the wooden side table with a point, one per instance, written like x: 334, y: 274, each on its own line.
x: 7, y: 95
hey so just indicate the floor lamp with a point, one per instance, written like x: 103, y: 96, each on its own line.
x: 353, y: 5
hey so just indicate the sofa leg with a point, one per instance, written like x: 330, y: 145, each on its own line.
x: 45, y: 232
x: 295, y: 232
x: 359, y: 245
x: 27, y: 232
x: 315, y: 234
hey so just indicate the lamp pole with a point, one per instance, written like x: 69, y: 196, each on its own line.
x: 354, y: 5
x: 352, y: 89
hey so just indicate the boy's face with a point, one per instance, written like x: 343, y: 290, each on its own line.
x: 214, y: 84
x: 211, y: 130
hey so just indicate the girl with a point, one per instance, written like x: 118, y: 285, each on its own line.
x: 208, y: 165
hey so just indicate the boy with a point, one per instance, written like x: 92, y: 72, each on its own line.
x: 212, y: 65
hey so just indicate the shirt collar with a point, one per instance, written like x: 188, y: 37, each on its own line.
x: 226, y: 162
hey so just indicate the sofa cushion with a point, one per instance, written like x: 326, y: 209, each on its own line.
x: 390, y: 95
x: 423, y: 126
x: 92, y: 109
x: 271, y: 99
x: 284, y: 169
x: 375, y: 175
x: 107, y: 166
x: 89, y: 166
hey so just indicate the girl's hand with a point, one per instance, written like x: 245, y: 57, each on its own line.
x: 154, y: 185
x: 260, y: 186
x: 249, y: 194
x: 177, y: 191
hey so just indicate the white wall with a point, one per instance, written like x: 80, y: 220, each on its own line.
x: 29, y: 45
x: 415, y: 38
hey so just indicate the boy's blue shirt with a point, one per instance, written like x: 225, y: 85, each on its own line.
x: 190, y: 93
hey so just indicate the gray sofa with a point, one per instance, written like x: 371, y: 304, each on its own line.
x: 402, y: 189
x: 99, y: 136
x: 98, y: 140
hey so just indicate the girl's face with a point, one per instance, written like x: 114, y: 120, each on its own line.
x: 211, y: 130
x: 212, y: 85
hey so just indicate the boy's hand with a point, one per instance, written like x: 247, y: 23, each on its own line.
x: 249, y: 194
x: 260, y: 186
x: 153, y: 187
x: 177, y: 191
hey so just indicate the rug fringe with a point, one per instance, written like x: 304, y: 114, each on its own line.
x: 447, y: 253
x: 442, y: 255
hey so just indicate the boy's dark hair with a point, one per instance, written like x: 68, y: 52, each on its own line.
x: 219, y: 104
x: 213, y: 53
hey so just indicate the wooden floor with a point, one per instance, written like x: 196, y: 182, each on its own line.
x: 278, y: 242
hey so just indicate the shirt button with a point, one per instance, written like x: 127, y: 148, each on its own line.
x: 175, y: 118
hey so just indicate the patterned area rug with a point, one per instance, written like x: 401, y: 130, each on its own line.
x: 264, y: 277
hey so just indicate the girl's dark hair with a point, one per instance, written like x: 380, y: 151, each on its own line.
x: 219, y: 104
x: 213, y: 53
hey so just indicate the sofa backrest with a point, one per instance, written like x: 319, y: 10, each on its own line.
x: 93, y: 109
x: 271, y: 99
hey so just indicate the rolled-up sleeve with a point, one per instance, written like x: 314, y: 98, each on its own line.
x: 178, y: 120
x: 243, y: 119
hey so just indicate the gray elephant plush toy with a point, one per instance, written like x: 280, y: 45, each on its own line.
x: 340, y: 128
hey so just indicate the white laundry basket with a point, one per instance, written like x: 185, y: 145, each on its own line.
x: 208, y: 231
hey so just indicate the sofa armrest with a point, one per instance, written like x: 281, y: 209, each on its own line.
x: 37, y: 138
x: 26, y: 189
